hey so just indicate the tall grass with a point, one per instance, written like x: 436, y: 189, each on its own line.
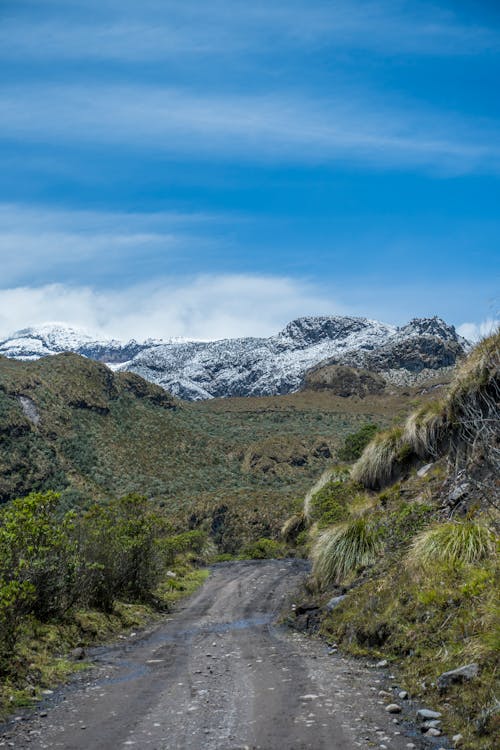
x: 293, y: 526
x: 453, y: 543
x: 381, y: 460
x: 425, y: 430
x: 317, y: 486
x: 344, y: 549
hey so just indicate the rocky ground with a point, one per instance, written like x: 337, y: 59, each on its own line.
x: 219, y: 675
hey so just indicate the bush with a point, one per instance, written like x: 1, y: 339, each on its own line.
x: 331, y: 504
x: 338, y: 474
x: 293, y: 526
x: 263, y: 549
x: 355, y: 443
x: 120, y: 543
x: 38, y: 550
x: 344, y: 549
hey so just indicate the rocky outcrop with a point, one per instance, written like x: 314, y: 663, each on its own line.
x: 344, y: 381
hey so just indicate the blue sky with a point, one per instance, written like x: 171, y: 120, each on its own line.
x: 214, y: 169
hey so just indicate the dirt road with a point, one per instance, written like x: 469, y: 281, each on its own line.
x: 219, y: 676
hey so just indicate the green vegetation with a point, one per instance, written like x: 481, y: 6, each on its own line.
x: 355, y: 443
x: 383, y: 460
x: 232, y: 464
x: 453, y: 543
x: 66, y: 576
x: 344, y: 550
x: 332, y: 503
x: 422, y: 574
x: 263, y: 549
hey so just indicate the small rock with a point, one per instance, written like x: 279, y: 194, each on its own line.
x: 381, y: 664
x: 459, y: 492
x: 309, y: 697
x: 77, y: 654
x: 403, y: 695
x: 424, y: 470
x: 43, y: 714
x: 432, y: 732
x: 457, y: 739
x: 393, y: 708
x: 334, y: 602
x: 171, y: 574
x: 461, y: 674
x: 425, y: 714
x: 432, y: 724
x: 384, y: 694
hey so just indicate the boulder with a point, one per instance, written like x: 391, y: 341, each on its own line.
x: 457, y: 676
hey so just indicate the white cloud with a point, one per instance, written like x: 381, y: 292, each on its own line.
x: 204, y: 307
x: 270, y: 127
x: 477, y: 331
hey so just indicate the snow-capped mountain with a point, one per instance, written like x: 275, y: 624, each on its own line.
x: 257, y: 366
x: 55, y: 338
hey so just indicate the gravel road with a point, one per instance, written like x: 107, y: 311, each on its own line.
x: 218, y: 675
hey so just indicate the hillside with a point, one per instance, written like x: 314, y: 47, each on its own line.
x: 197, y: 370
x: 404, y: 546
x: 70, y: 424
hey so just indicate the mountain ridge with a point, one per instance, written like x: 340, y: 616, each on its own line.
x: 253, y: 366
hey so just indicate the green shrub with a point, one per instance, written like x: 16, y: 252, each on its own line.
x: 263, y: 549
x: 426, y: 430
x: 355, y: 443
x: 38, y: 548
x: 293, y: 526
x: 120, y: 544
x: 344, y: 549
x: 331, y: 503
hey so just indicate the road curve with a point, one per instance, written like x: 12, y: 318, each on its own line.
x: 218, y: 676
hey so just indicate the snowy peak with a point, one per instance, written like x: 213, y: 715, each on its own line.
x: 429, y: 327
x: 258, y: 366
x: 313, y: 330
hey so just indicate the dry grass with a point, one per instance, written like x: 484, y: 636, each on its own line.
x: 452, y: 543
x: 293, y: 526
x: 344, y: 549
x: 425, y: 430
x: 317, y: 486
x: 382, y: 459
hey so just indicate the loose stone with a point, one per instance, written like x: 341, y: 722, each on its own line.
x: 393, y: 708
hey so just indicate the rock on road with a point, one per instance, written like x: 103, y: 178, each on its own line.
x: 218, y: 676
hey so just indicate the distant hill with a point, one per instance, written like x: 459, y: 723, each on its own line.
x: 70, y: 424
x: 197, y: 370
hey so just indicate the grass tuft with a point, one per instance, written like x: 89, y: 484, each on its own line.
x: 453, y: 543
x: 382, y: 459
x: 344, y: 549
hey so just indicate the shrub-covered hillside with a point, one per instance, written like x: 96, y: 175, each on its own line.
x: 71, y: 425
x: 404, y: 546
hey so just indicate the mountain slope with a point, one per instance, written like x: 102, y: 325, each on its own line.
x: 70, y: 424
x: 196, y: 370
